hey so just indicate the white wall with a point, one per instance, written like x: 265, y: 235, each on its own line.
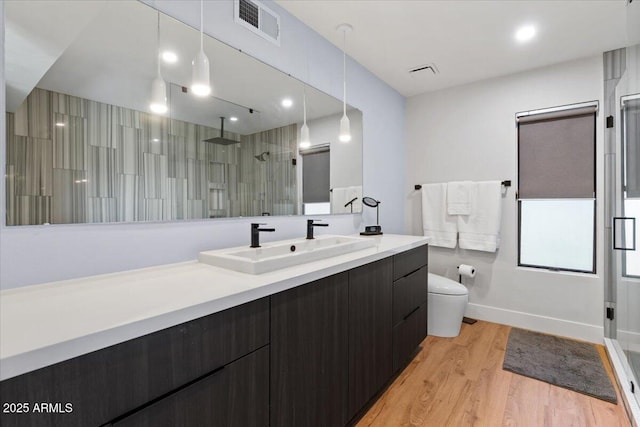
x: 469, y: 133
x: 31, y: 255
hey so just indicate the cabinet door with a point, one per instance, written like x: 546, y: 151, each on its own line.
x: 370, y: 354
x: 407, y: 335
x: 236, y: 395
x: 309, y: 354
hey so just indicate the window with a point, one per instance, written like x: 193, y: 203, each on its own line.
x: 315, y: 180
x: 556, y: 188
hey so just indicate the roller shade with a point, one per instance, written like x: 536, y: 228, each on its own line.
x: 315, y: 176
x: 631, y: 118
x: 556, y: 154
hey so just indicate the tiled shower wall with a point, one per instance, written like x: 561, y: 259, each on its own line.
x: 113, y: 164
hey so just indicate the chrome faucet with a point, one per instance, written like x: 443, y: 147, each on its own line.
x: 255, y: 233
x: 312, y: 223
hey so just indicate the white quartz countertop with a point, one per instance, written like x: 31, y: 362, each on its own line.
x: 45, y: 324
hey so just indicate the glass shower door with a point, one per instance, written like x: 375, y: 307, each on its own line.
x: 626, y: 236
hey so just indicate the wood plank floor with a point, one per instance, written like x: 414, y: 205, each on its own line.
x: 460, y: 382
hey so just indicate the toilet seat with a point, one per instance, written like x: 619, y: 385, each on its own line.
x: 442, y: 285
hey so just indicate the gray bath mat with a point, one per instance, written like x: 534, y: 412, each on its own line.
x: 558, y: 361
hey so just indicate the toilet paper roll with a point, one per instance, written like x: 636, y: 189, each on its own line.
x: 466, y: 270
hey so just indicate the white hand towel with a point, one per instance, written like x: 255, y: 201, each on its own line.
x: 459, y: 197
x: 440, y: 227
x: 480, y: 230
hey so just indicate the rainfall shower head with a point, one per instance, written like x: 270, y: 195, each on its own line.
x: 262, y: 156
x: 221, y: 139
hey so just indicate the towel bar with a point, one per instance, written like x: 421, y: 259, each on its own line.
x: 506, y: 183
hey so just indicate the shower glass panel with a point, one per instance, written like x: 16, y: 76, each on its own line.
x: 627, y: 233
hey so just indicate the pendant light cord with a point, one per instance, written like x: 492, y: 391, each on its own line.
x: 304, y: 103
x: 344, y: 72
x: 201, y: 24
x: 158, y: 43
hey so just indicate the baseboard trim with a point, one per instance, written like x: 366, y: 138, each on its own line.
x: 549, y: 325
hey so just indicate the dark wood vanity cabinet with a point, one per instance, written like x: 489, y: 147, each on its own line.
x: 309, y: 350
x: 313, y: 355
x: 105, y: 385
x: 410, y: 290
x: 370, y: 343
x: 337, y: 341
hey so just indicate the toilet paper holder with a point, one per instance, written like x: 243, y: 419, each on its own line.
x: 466, y: 271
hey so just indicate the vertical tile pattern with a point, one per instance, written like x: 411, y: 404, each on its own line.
x: 69, y: 202
x: 112, y: 164
x: 69, y: 136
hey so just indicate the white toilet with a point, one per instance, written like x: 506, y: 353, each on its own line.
x: 447, y: 302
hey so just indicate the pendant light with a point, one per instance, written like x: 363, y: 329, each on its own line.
x: 345, y: 127
x: 200, y: 84
x: 305, y: 141
x: 158, y: 104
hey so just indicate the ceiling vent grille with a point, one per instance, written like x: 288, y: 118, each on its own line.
x: 258, y: 18
x: 429, y: 69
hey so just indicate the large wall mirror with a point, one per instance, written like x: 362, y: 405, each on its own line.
x: 83, y: 146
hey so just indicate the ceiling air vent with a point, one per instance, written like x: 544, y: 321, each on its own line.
x: 258, y: 18
x: 427, y: 69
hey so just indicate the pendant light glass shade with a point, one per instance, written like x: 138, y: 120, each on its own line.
x: 158, y: 103
x: 345, y: 126
x: 200, y: 83
x: 345, y: 129
x: 305, y: 141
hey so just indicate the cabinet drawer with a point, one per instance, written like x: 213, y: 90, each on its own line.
x: 236, y: 395
x: 408, y: 293
x: 411, y: 260
x: 109, y: 382
x: 408, y: 335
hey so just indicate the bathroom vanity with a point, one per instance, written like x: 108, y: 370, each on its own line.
x: 193, y: 344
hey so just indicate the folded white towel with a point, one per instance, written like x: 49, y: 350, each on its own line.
x: 440, y: 227
x: 459, y: 197
x: 480, y: 230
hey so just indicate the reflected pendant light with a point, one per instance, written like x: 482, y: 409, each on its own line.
x: 345, y: 127
x: 158, y: 104
x: 200, y: 84
x: 305, y: 141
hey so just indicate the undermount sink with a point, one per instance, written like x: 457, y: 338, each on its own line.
x: 286, y: 253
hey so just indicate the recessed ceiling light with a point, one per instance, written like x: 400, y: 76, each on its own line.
x: 233, y: 119
x: 169, y: 57
x: 287, y: 102
x: 155, y: 140
x: 525, y: 33
x: 60, y: 124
